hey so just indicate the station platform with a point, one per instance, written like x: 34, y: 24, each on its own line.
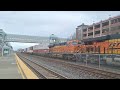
x: 12, y: 67
x: 9, y: 68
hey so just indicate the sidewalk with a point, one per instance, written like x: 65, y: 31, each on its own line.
x: 9, y: 68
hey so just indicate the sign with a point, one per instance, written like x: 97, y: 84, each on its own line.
x: 5, y: 51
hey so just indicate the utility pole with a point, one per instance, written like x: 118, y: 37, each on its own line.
x: 99, y: 56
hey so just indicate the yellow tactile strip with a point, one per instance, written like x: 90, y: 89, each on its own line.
x: 20, y: 70
x: 28, y: 73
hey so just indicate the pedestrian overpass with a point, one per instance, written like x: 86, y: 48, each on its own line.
x: 6, y: 38
x: 28, y: 39
x: 25, y: 38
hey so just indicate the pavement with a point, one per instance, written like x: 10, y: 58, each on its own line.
x: 9, y: 68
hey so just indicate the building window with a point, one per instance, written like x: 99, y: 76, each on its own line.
x: 118, y: 27
x: 89, y: 34
x: 84, y: 35
x: 118, y: 19
x: 90, y: 28
x: 113, y: 21
x: 117, y: 32
x: 105, y: 30
x: 105, y: 23
x: 84, y: 30
x: 115, y: 28
x: 97, y: 32
x: 97, y: 26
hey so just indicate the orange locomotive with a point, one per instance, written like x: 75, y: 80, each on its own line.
x: 69, y: 47
x: 109, y: 45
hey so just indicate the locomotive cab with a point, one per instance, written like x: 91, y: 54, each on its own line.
x: 73, y: 42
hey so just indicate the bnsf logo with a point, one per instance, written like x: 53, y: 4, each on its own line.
x: 114, y: 44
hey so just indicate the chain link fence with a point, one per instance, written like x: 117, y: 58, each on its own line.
x: 99, y: 60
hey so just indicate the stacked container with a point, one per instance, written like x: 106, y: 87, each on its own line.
x: 41, y: 48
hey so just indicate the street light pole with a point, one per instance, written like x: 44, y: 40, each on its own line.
x: 99, y: 56
x: 99, y: 60
x: 2, y: 50
x: 2, y: 44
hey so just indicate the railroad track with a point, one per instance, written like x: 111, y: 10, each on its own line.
x: 89, y: 70
x: 41, y: 71
x: 97, y: 72
x: 94, y: 72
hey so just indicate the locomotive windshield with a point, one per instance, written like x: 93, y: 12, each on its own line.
x: 74, y: 43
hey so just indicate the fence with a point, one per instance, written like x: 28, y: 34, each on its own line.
x: 99, y: 59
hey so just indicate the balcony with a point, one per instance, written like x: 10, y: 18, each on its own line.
x: 90, y: 31
x: 90, y: 28
x: 85, y: 37
x: 105, y: 24
x: 85, y: 32
x: 97, y: 26
x: 115, y: 31
x: 105, y: 27
x: 115, y: 24
x: 105, y: 33
x: 97, y: 35
x: 90, y: 36
x: 97, y: 29
x: 115, y: 21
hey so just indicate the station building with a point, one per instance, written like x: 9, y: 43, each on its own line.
x: 5, y: 47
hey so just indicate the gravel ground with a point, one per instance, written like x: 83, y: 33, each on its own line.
x: 63, y: 69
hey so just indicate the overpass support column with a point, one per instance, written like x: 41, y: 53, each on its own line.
x: 2, y: 50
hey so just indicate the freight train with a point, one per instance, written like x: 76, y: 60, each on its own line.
x: 108, y: 47
x: 35, y: 49
x: 109, y: 44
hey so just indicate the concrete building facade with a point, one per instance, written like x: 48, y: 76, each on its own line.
x: 102, y: 28
x: 79, y: 31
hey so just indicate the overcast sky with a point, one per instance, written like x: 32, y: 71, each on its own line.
x: 44, y: 23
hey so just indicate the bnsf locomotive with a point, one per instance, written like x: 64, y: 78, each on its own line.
x: 109, y: 44
x: 106, y: 46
